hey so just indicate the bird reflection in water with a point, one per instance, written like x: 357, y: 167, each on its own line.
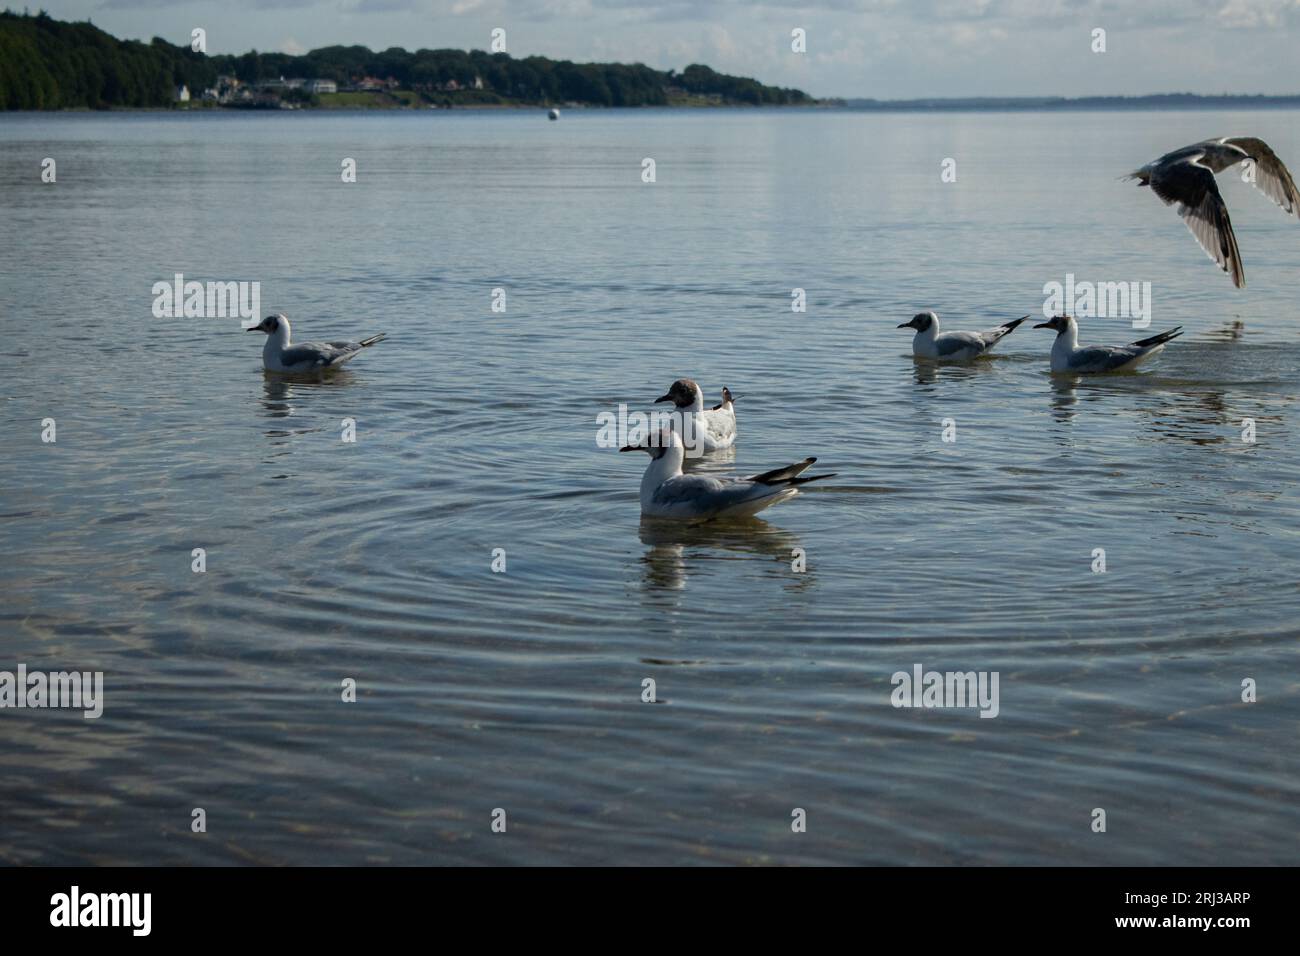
x: 1231, y: 331
x: 928, y: 372
x: 279, y: 392
x: 676, y: 548
x: 1065, y: 396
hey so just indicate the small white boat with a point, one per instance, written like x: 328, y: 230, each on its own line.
x: 554, y: 114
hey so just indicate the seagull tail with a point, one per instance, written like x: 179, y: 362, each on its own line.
x: 782, y: 476
x: 804, y: 481
x: 1160, y: 339
x: 366, y: 343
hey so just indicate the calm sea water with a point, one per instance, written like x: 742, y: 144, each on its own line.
x: 476, y: 430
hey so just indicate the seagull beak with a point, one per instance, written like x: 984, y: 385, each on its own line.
x: 663, y: 398
x: 253, y: 328
x: 906, y: 325
x: 1044, y: 325
x: 633, y: 448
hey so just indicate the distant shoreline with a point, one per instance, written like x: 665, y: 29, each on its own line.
x: 1092, y: 105
x: 1010, y: 104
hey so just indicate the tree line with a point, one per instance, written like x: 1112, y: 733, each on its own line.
x: 48, y: 64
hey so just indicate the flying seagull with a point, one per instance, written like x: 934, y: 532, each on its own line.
x: 1186, y: 177
x: 930, y: 343
x: 279, y: 356
x: 1068, y: 356
x: 716, y: 426
x: 667, y: 493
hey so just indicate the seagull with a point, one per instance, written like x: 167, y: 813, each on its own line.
x: 279, y: 356
x: 667, y: 493
x: 930, y: 343
x: 1186, y: 177
x: 1067, y: 356
x: 716, y: 426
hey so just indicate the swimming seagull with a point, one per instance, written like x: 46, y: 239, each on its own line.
x: 930, y: 343
x: 279, y: 356
x: 667, y: 493
x: 1186, y: 177
x: 716, y: 426
x: 1067, y: 356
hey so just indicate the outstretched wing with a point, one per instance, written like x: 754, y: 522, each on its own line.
x: 1193, y: 188
x: 1272, y: 178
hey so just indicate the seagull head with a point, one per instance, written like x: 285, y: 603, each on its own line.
x: 658, y: 444
x: 921, y: 321
x: 1059, y: 323
x: 683, y: 393
x: 271, y: 324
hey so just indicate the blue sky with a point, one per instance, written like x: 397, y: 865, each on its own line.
x: 881, y: 48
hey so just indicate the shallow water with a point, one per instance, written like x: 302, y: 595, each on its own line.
x: 477, y: 430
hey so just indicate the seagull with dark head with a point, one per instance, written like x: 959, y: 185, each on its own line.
x: 714, y: 428
x: 278, y: 355
x: 1069, y: 356
x: 1186, y: 177
x: 667, y: 493
x: 930, y: 343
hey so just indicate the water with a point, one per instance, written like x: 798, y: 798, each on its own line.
x: 476, y: 430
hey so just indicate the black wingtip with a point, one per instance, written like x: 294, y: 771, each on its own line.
x: 1011, y: 326
x: 804, y: 481
x: 1161, y: 338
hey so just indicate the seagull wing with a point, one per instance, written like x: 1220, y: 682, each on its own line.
x: 1103, y: 358
x: 1272, y: 178
x: 1108, y: 358
x: 697, y: 495
x: 1192, y: 187
x: 950, y: 343
x: 319, y: 354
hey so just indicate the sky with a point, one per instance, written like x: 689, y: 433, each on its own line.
x: 886, y: 49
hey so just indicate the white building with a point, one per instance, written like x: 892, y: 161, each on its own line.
x: 322, y: 86
x: 182, y: 94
